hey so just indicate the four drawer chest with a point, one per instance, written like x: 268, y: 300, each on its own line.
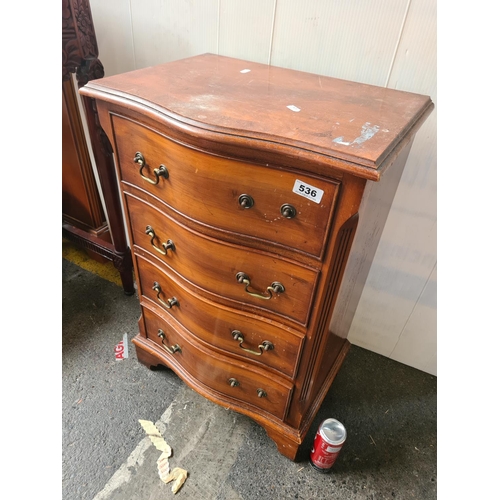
x: 244, y: 187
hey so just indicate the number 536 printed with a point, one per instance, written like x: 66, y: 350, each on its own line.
x: 307, y: 191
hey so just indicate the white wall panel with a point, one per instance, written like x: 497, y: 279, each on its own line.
x: 407, y: 251
x: 417, y: 345
x: 113, y: 29
x: 166, y: 30
x: 349, y: 39
x: 415, y: 63
x: 245, y: 29
x: 405, y: 256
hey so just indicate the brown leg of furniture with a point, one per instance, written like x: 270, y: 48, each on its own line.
x: 287, y: 445
x: 127, y: 282
x: 90, y: 242
x: 123, y: 264
x: 146, y: 358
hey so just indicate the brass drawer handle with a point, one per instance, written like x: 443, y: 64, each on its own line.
x: 173, y: 349
x: 233, y: 382
x: 159, y: 172
x: 275, y: 287
x: 265, y: 346
x: 169, y: 245
x: 170, y: 302
x: 261, y: 393
x: 245, y: 201
x: 288, y: 211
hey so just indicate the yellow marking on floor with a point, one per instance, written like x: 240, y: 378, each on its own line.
x: 79, y: 257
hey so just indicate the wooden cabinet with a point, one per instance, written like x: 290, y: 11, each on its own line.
x: 243, y: 185
x: 83, y: 217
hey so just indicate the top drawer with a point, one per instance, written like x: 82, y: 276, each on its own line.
x: 266, y: 203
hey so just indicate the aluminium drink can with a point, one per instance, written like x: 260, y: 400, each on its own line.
x: 327, y: 444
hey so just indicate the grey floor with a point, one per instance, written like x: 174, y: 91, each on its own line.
x: 389, y: 410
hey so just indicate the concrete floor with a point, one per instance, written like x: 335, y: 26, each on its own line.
x: 389, y: 411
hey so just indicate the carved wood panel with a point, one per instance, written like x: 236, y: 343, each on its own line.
x: 84, y: 221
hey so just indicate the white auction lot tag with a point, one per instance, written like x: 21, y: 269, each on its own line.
x: 307, y: 191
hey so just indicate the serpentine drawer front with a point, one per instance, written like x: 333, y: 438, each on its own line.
x: 234, y: 380
x: 247, y: 199
x: 243, y: 187
x: 248, y: 337
x: 214, y: 265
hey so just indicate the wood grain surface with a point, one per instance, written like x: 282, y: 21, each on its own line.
x: 212, y: 265
x: 215, y: 371
x: 214, y: 324
x: 207, y: 188
x: 348, y: 120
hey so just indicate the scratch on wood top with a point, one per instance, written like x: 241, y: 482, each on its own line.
x: 367, y: 132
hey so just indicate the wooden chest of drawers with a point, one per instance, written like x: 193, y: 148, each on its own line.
x: 243, y: 185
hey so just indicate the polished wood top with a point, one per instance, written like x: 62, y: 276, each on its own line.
x: 357, y: 123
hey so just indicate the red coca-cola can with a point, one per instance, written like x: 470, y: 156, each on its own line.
x: 327, y: 444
